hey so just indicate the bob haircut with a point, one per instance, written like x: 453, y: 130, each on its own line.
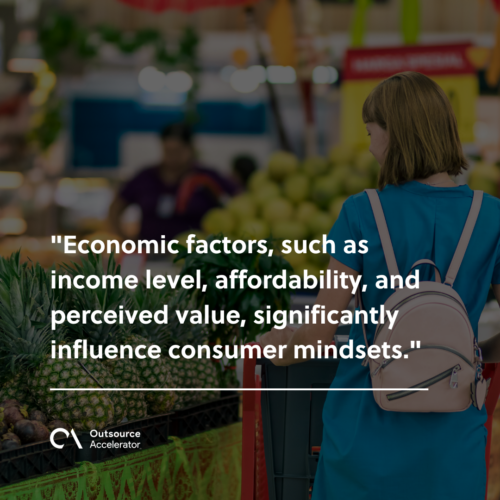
x: 423, y: 132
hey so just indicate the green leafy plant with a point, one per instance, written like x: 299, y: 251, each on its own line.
x: 61, y: 34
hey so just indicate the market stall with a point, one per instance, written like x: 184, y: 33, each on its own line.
x: 269, y: 96
x: 203, y: 466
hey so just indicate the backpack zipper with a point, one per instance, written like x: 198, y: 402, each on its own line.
x: 426, y: 346
x: 451, y: 372
x: 397, y: 306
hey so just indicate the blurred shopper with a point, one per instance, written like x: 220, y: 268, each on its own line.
x: 369, y: 453
x: 243, y: 166
x: 174, y: 195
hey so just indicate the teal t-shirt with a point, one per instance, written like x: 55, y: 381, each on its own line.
x: 369, y: 453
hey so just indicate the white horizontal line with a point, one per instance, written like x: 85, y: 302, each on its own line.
x: 263, y: 389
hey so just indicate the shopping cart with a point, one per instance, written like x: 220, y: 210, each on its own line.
x: 288, y: 426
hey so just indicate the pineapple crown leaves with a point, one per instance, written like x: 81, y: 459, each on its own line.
x: 144, y: 299
x: 26, y: 303
x: 184, y: 333
x: 24, y: 349
x: 93, y: 265
x: 25, y: 291
x: 101, y: 298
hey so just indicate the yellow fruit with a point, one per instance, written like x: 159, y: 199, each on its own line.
x: 483, y: 184
x: 281, y: 164
x: 257, y: 179
x: 336, y: 206
x: 485, y: 177
x: 487, y: 171
x: 268, y: 191
x: 296, y: 259
x: 289, y: 230
x: 315, y: 166
x: 305, y: 211
x: 242, y: 206
x: 296, y: 188
x: 341, y: 154
x: 253, y: 229
x: 320, y: 223
x: 182, y: 237
x: 277, y: 210
x: 218, y: 220
x: 364, y: 162
x: 324, y: 189
x: 356, y: 183
x: 319, y: 259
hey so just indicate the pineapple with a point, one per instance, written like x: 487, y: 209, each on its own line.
x: 27, y: 370
x: 184, y: 370
x: 84, y: 411
x: 127, y: 376
x: 128, y: 373
x: 193, y: 373
x: 154, y: 373
x: 151, y: 370
x: 206, y: 377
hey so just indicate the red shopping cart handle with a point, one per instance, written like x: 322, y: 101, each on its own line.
x: 248, y: 437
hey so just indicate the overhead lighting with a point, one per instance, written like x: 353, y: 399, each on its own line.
x: 27, y: 54
x: 259, y: 73
x: 69, y: 189
x: 325, y: 74
x: 178, y: 81
x: 151, y: 80
x: 281, y: 74
x: 12, y: 225
x: 226, y: 72
x: 11, y: 180
x: 244, y: 81
x: 21, y: 65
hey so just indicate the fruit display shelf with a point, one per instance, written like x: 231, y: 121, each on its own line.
x: 36, y: 459
x: 122, y: 439
x: 206, y: 416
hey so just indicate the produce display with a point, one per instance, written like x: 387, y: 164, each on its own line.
x: 28, y: 368
x: 19, y: 426
x: 295, y: 200
x: 28, y: 371
x: 485, y: 177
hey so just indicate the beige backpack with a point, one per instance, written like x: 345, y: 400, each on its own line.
x: 443, y: 374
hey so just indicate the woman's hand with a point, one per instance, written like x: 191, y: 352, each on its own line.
x: 276, y: 338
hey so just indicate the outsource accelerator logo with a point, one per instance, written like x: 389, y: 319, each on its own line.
x: 67, y: 434
x: 102, y: 439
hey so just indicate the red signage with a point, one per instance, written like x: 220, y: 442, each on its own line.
x: 378, y: 63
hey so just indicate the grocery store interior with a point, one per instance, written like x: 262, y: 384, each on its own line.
x: 262, y: 98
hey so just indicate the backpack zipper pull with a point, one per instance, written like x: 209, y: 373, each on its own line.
x: 454, y: 377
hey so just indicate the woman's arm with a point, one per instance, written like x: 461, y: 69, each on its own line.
x: 334, y: 299
x: 491, y: 348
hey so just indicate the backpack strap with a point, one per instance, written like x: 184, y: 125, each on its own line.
x: 465, y: 238
x: 383, y: 231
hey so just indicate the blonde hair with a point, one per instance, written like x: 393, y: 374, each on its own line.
x: 423, y: 132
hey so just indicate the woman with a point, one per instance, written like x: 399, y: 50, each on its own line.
x: 369, y: 453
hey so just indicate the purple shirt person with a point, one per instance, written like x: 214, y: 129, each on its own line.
x: 174, y: 195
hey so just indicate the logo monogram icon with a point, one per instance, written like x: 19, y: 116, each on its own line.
x: 66, y: 433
